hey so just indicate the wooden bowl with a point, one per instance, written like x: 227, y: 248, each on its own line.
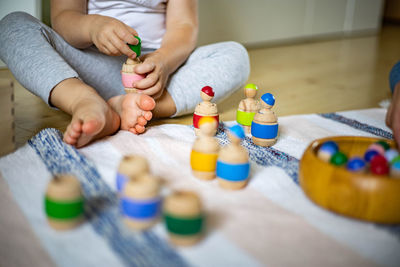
x: 359, y: 195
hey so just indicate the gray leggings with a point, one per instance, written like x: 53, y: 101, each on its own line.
x: 40, y: 58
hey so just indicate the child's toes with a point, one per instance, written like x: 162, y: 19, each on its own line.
x: 133, y: 130
x: 146, y: 102
x: 147, y: 115
x: 76, y: 126
x: 69, y: 139
x: 142, y: 121
x: 74, y: 134
x: 139, y: 128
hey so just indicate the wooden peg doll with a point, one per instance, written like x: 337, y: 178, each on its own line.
x: 233, y: 165
x: 64, y: 202
x: 248, y: 107
x: 129, y: 77
x: 131, y: 166
x: 264, y: 128
x: 183, y: 217
x: 140, y: 202
x: 205, y: 108
x: 203, y: 158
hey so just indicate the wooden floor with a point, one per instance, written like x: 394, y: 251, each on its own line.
x: 325, y: 76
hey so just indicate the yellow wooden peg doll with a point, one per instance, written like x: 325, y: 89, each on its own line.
x: 203, y: 158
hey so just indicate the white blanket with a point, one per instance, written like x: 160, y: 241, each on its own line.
x: 270, y: 222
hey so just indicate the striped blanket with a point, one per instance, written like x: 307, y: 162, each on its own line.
x: 270, y: 222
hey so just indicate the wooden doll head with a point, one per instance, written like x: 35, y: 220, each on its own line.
x: 142, y: 187
x: 133, y: 166
x: 250, y: 90
x: 207, y: 93
x: 208, y: 126
x: 183, y: 203
x: 236, y: 134
x: 64, y: 186
x: 267, y: 100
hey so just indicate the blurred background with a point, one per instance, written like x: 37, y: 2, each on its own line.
x: 314, y: 55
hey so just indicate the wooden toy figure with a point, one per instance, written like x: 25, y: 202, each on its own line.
x: 183, y: 217
x: 264, y: 127
x: 233, y: 165
x: 130, y: 167
x: 205, y: 108
x: 129, y: 77
x: 64, y: 202
x: 140, y: 202
x: 203, y: 158
x: 248, y: 107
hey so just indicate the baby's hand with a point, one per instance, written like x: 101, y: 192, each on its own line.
x: 393, y: 115
x: 154, y: 65
x: 111, y: 36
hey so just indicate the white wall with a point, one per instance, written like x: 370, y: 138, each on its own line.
x: 33, y: 7
x: 262, y: 21
x: 253, y: 22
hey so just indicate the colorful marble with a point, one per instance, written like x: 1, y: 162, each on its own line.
x: 370, y: 154
x: 338, y: 159
x: 382, y: 143
x: 326, y: 150
x: 378, y: 148
x: 390, y: 154
x: 356, y: 164
x: 379, y: 165
x: 395, y: 169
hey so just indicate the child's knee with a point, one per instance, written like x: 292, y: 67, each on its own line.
x: 238, y: 59
x: 15, y: 22
x: 237, y: 50
x: 15, y: 19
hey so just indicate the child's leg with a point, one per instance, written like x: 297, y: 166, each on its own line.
x: 223, y: 66
x: 43, y: 62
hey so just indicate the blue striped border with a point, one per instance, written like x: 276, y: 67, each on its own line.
x: 265, y: 156
x: 101, y: 207
x: 358, y: 125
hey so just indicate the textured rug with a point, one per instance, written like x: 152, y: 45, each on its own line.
x: 270, y: 222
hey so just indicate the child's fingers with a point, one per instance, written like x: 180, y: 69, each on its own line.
x: 147, y: 82
x: 132, y: 32
x: 145, y: 67
x: 152, y: 90
x: 127, y: 34
x: 112, y: 49
x: 104, y: 50
x: 121, y: 46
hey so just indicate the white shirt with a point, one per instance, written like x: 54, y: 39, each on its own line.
x: 147, y: 17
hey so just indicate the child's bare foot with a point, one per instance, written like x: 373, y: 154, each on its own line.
x: 134, y: 110
x: 91, y: 120
x: 92, y: 117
